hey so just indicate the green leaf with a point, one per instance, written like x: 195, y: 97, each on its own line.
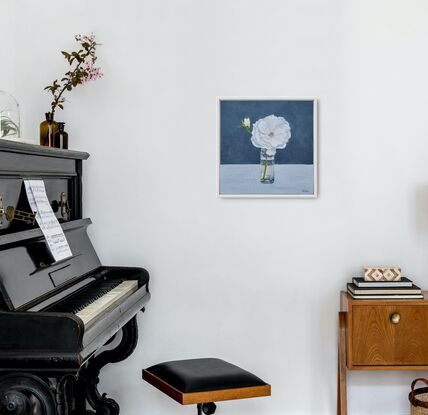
x: 8, y: 126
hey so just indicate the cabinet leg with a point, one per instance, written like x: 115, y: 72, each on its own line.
x: 342, y: 406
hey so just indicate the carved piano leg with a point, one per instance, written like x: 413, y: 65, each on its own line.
x: 89, y: 374
x: 24, y: 393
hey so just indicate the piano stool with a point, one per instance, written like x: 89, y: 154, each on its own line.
x: 204, y: 381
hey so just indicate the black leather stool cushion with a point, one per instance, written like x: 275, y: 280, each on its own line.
x: 201, y: 375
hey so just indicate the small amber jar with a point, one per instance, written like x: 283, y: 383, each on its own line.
x: 61, y: 137
x: 48, y: 128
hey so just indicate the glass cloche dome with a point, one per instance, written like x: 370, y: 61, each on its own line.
x: 9, y: 116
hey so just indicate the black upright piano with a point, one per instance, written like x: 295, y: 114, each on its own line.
x: 60, y: 321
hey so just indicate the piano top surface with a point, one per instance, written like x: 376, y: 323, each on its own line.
x: 33, y: 149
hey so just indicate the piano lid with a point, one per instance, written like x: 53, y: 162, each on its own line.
x: 28, y: 273
x: 36, y: 150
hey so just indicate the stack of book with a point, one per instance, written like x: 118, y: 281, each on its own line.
x: 404, y: 288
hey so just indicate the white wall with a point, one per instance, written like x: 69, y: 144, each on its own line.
x: 255, y: 282
x: 7, y: 42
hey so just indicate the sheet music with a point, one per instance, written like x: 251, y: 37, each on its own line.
x: 45, y: 217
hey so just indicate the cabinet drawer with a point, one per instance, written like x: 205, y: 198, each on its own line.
x: 378, y: 341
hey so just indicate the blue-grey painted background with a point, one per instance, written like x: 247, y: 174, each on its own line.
x: 235, y: 143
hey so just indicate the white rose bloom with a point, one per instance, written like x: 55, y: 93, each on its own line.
x: 271, y: 133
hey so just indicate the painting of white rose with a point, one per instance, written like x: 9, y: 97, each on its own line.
x: 267, y: 147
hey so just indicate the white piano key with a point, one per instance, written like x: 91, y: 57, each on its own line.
x: 117, y: 295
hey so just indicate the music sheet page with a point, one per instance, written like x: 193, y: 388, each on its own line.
x: 46, y: 219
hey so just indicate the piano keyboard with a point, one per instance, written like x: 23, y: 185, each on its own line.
x: 113, y: 297
x: 92, y: 302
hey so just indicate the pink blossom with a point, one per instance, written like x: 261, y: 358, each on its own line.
x: 85, y: 38
x: 92, y: 73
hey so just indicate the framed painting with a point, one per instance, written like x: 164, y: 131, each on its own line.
x: 267, y: 147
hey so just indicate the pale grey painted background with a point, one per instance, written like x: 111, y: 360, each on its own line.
x: 252, y: 281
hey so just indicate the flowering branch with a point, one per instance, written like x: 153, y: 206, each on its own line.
x: 82, y: 70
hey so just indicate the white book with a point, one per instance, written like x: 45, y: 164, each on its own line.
x: 388, y: 297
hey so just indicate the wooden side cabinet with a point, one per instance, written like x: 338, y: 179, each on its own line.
x: 380, y: 335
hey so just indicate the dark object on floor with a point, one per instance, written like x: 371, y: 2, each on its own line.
x: 204, y: 381
x: 419, y: 398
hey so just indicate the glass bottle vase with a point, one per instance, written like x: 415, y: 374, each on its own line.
x: 61, y: 137
x: 48, y: 128
x: 267, y: 167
